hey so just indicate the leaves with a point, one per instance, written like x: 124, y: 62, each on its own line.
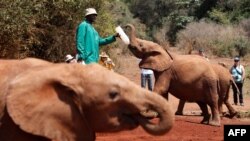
x: 44, y: 28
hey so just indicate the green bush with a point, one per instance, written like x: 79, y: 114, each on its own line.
x: 45, y: 29
x: 236, y: 47
x: 218, y: 16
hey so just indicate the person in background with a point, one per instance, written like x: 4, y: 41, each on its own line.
x: 201, y: 53
x: 147, y: 78
x: 238, y: 73
x: 88, y: 39
x: 106, y: 61
x: 70, y: 59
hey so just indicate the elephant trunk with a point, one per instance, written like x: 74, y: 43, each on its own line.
x: 132, y: 36
x: 166, y: 116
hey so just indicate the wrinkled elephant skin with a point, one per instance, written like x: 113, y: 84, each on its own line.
x: 225, y: 81
x: 9, y: 69
x: 70, y: 102
x: 187, y: 77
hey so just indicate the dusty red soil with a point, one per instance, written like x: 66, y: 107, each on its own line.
x: 187, y: 127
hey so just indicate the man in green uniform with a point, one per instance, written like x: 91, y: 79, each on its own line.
x: 88, y: 39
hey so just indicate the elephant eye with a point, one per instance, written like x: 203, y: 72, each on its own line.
x: 113, y: 95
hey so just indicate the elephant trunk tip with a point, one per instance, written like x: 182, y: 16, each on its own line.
x: 129, y: 25
x: 161, y: 124
x: 158, y: 130
x: 132, y: 32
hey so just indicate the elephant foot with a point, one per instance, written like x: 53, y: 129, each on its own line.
x: 233, y: 114
x: 230, y: 115
x: 214, y: 123
x: 206, y: 119
x: 223, y: 114
x: 178, y: 113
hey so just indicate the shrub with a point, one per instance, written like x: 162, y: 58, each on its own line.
x: 220, y: 40
x: 45, y: 29
x: 245, y: 24
x: 218, y: 16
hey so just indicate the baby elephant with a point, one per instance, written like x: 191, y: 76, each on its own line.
x: 70, y: 102
x: 9, y: 69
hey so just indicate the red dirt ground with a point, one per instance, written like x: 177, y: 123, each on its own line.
x: 186, y: 128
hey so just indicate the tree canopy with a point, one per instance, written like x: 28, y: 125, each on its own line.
x: 46, y: 28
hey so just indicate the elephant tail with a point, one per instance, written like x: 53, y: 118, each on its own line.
x: 233, y: 83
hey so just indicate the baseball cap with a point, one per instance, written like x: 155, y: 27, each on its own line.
x: 68, y: 58
x: 103, y: 54
x: 201, y: 50
x: 90, y: 11
x: 236, y: 58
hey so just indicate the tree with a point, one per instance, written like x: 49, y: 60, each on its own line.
x: 44, y: 29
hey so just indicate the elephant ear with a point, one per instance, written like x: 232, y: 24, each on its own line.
x: 44, y: 105
x: 156, y: 58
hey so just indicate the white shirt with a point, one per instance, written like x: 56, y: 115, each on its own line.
x: 146, y: 71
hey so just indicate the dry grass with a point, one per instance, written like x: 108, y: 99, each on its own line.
x: 215, y: 39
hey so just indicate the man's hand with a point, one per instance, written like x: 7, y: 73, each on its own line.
x: 117, y: 35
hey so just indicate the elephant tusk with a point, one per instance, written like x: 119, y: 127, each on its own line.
x: 149, y: 114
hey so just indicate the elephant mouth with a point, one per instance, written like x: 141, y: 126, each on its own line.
x: 133, y: 119
x: 130, y: 119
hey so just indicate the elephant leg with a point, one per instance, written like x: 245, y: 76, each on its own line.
x: 212, y: 101
x: 232, y: 111
x: 180, y: 107
x: 220, y: 102
x: 161, y: 86
x: 215, y: 121
x: 205, y: 112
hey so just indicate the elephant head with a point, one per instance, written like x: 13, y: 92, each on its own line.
x: 149, y: 52
x: 9, y: 69
x: 72, y: 102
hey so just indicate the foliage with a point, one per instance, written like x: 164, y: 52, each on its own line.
x: 178, y: 22
x: 245, y: 24
x: 121, y: 16
x: 242, y: 46
x: 158, y: 14
x: 204, y: 7
x: 215, y: 39
x: 45, y: 29
x: 239, y: 46
x: 218, y: 16
x: 176, y: 14
x: 247, y: 69
x: 244, y: 114
x: 235, y: 10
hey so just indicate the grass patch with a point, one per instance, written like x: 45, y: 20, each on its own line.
x: 245, y: 114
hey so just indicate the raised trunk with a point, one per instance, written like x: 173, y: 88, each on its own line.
x: 132, y: 36
x: 161, y: 106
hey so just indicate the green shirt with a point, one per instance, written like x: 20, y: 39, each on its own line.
x: 88, y: 42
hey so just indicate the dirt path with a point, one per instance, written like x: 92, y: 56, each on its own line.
x: 187, y: 127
